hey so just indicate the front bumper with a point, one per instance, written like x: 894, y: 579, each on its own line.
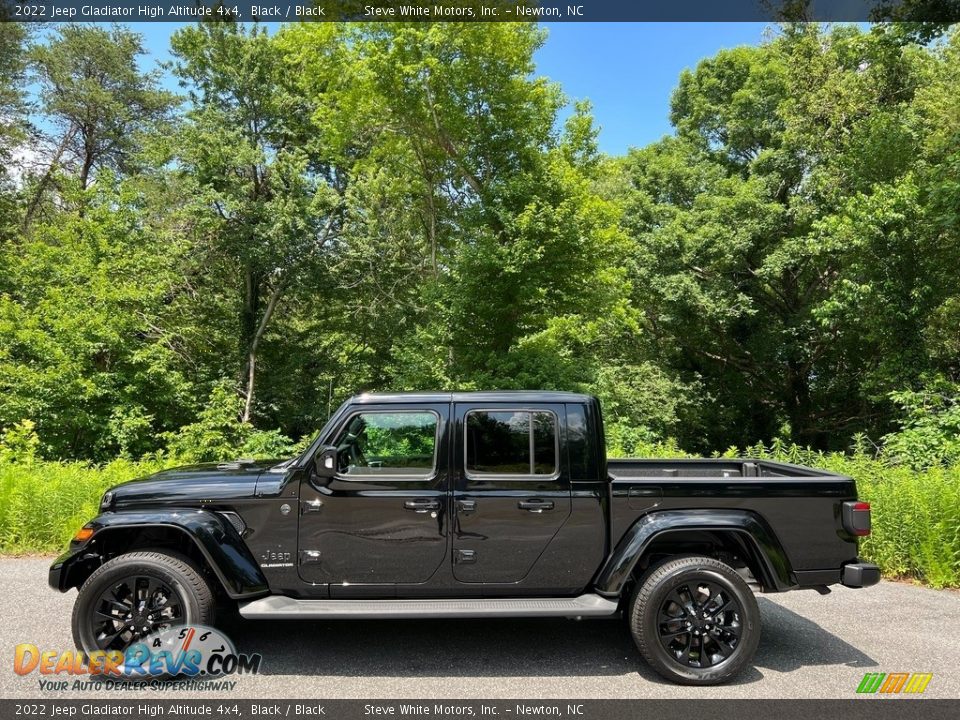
x: 56, y: 573
x: 860, y: 575
x: 63, y: 573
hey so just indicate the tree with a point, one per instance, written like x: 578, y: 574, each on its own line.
x: 784, y: 252
x: 82, y: 352
x: 249, y: 150
x: 13, y: 116
x: 98, y: 99
x: 509, y: 242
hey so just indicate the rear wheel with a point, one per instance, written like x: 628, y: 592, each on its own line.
x: 695, y: 621
x: 135, y: 595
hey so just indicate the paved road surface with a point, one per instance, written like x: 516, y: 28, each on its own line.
x: 812, y: 646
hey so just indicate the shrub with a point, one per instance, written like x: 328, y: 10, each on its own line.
x: 929, y: 432
x: 219, y: 435
x: 19, y: 443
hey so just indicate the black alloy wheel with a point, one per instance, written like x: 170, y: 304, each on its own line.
x: 700, y: 624
x: 137, y: 594
x: 695, y: 620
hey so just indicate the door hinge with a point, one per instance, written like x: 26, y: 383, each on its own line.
x: 311, y: 506
x: 465, y: 557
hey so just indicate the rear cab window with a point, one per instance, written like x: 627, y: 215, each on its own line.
x: 511, y: 442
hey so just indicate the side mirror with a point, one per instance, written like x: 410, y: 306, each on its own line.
x: 325, y: 462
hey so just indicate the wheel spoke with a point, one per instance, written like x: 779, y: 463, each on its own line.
x: 725, y: 648
x: 725, y: 608
x: 116, y: 605
x: 105, y: 640
x: 667, y: 619
x: 122, y: 593
x: 140, y: 597
x: 704, y: 655
x: 152, y: 589
x: 685, y: 604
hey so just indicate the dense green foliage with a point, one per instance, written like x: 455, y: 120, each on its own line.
x: 346, y: 207
x: 337, y: 208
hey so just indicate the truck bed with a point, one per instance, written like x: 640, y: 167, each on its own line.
x: 800, y: 506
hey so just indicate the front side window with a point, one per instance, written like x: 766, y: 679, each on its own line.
x: 511, y: 442
x: 388, y: 443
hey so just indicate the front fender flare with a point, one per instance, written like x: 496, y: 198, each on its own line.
x: 766, y: 551
x: 213, y: 536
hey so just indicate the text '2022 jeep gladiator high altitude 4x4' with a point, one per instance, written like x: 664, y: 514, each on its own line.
x: 493, y: 504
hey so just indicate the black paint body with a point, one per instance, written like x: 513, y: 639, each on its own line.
x: 587, y: 527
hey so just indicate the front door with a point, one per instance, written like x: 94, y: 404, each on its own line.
x: 381, y: 522
x: 512, y: 489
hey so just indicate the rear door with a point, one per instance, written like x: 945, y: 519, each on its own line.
x: 512, y: 489
x: 382, y: 521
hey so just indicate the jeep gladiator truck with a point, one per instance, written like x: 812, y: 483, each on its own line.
x: 491, y: 504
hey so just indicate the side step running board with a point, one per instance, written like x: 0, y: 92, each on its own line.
x: 281, y: 607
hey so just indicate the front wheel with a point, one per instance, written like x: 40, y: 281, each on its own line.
x: 135, y: 595
x: 695, y: 621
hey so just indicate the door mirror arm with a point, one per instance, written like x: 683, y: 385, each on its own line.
x: 325, y: 462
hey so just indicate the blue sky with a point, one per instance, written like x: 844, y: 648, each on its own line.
x: 627, y: 70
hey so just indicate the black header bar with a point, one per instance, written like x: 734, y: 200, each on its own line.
x: 939, y: 11
x: 160, y: 705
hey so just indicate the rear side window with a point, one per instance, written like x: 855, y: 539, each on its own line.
x: 389, y: 443
x: 511, y: 442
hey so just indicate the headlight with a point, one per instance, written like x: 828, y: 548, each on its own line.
x: 107, y: 500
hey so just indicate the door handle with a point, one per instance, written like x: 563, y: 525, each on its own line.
x: 535, y: 506
x: 466, y: 506
x: 421, y: 505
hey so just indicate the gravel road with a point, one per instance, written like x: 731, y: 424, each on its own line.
x: 812, y: 646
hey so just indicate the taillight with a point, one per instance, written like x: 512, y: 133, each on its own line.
x: 856, y: 517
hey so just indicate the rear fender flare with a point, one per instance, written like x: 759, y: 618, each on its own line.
x: 750, y: 530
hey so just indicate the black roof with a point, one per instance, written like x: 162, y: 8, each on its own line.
x: 530, y: 396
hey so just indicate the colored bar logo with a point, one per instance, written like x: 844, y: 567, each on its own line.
x: 894, y: 683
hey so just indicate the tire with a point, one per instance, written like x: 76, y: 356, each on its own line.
x: 695, y: 621
x: 173, y: 591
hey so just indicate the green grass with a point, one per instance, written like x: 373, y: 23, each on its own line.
x: 42, y: 504
x: 916, y: 514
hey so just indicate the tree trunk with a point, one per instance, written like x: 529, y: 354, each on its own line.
x: 47, y: 177
x: 798, y: 403
x: 248, y: 329
x: 254, y: 346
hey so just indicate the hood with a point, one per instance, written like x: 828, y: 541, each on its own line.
x: 207, y: 482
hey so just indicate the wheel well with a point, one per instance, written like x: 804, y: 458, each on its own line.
x: 732, y: 547
x: 112, y: 542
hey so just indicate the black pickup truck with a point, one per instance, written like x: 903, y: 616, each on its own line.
x: 492, y: 504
